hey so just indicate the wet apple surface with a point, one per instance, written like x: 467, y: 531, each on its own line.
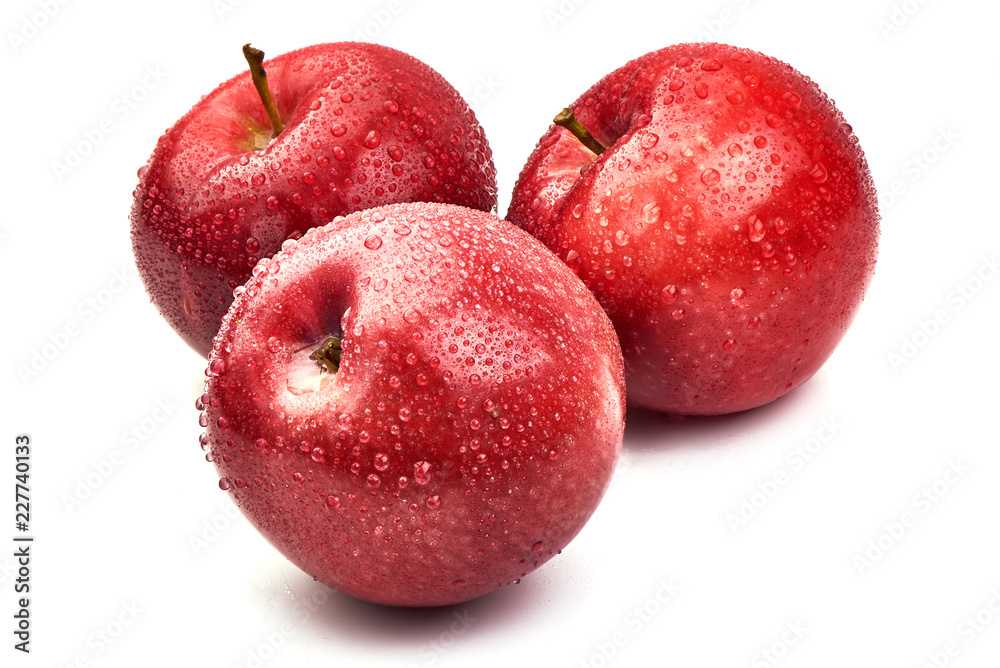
x: 416, y: 404
x: 726, y: 220
x: 363, y: 125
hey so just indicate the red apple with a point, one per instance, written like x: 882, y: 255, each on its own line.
x: 416, y: 404
x: 729, y: 229
x: 363, y: 125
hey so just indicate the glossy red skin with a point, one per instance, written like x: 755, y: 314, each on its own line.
x: 710, y: 320
x: 468, y: 346
x: 365, y: 125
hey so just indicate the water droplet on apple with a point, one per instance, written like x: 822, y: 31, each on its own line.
x: 756, y: 229
x: 274, y: 344
x: 734, y: 97
x: 668, y: 295
x: 333, y: 502
x: 434, y: 502
x: 701, y: 90
x: 373, y: 242
x: 735, y: 150
x: 818, y: 174
x: 422, y: 473
x: 537, y: 547
x: 736, y: 296
x: 650, y: 212
x: 774, y: 120
x: 678, y: 314
x: 395, y: 152
x: 574, y: 261
x: 338, y: 129
x: 729, y: 345
x: 373, y: 139
x: 753, y: 323
x: 272, y: 203
x: 780, y: 226
x: 710, y: 177
x: 711, y: 65
x: 224, y: 484
x: 649, y: 140
x: 792, y: 99
x: 411, y: 316
x: 373, y: 480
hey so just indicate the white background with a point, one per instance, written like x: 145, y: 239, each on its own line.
x: 125, y: 562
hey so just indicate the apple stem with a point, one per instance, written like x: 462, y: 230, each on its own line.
x: 255, y: 58
x: 567, y: 119
x: 328, y: 355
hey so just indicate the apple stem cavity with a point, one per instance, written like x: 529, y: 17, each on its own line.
x: 567, y: 119
x: 328, y: 355
x: 255, y: 58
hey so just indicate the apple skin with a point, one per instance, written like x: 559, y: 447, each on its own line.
x: 730, y: 229
x: 470, y: 431
x: 365, y: 125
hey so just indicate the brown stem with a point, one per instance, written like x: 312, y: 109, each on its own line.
x: 328, y: 355
x: 567, y: 119
x: 255, y: 58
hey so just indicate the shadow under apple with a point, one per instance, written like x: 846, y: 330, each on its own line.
x: 648, y: 430
x: 416, y: 635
